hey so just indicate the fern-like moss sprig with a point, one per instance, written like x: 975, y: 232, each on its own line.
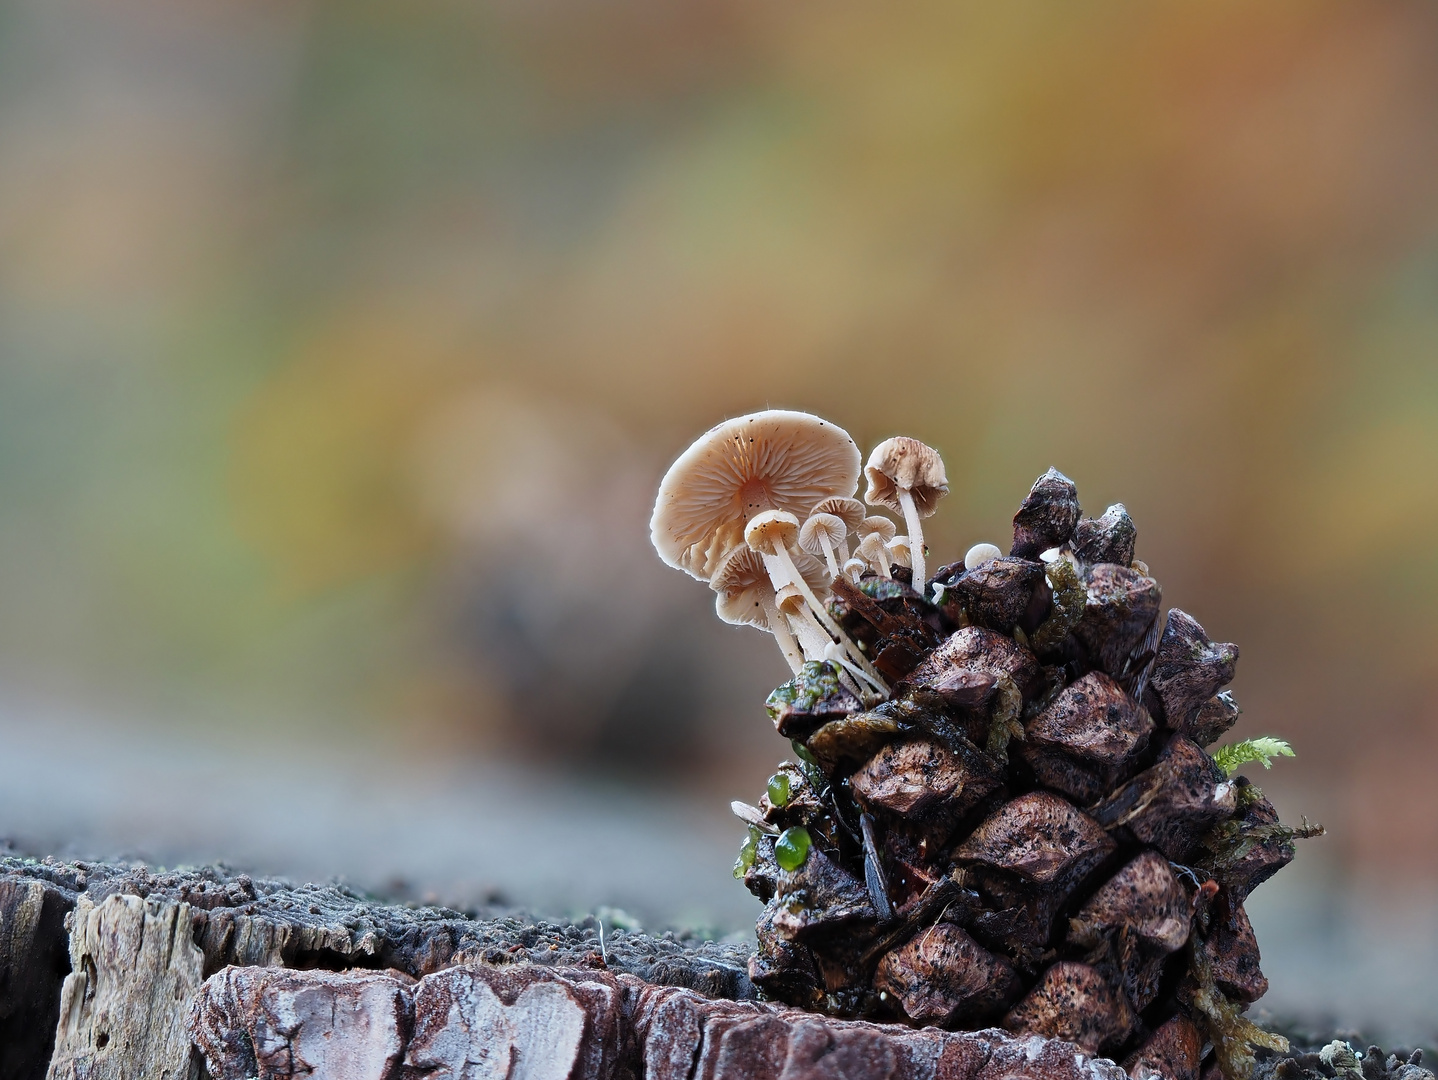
x: 1263, y: 750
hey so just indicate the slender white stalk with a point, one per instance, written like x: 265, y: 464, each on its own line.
x: 835, y: 630
x: 916, y: 540
x: 780, y: 629
x: 829, y: 555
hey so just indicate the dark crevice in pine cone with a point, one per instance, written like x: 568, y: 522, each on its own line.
x: 1029, y: 832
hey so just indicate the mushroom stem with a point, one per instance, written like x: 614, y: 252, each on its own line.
x: 780, y: 629
x: 916, y: 541
x: 835, y: 630
x: 835, y: 653
x: 829, y: 555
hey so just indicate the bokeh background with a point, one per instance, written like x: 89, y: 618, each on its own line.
x: 342, y: 346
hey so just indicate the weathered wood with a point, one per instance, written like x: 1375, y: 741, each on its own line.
x: 34, y: 960
x: 154, y: 992
x: 135, y: 968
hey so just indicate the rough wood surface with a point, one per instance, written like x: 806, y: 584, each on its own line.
x: 193, y: 974
x: 134, y: 969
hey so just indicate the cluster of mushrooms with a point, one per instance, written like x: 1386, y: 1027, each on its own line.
x: 1002, y: 808
x: 762, y: 507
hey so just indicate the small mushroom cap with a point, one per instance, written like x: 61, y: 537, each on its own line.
x: 899, y: 551
x: 854, y: 568
x: 849, y: 511
x: 772, y: 460
x: 872, y: 547
x: 902, y: 462
x: 980, y: 554
x: 770, y: 528
x: 878, y: 523
x: 742, y: 583
x: 789, y: 600
x: 821, y: 527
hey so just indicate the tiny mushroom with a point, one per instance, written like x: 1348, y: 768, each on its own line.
x: 770, y: 534
x: 771, y: 460
x: 900, y: 552
x: 980, y: 554
x: 878, y: 523
x: 908, y: 477
x: 746, y: 597
x: 850, y: 511
x: 876, y: 554
x: 820, y: 535
x: 854, y: 569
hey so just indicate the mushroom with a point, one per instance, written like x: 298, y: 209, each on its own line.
x: 850, y: 511
x: 772, y: 460
x: 908, y: 477
x: 746, y: 597
x: 821, y: 534
x: 854, y: 569
x: 770, y: 534
x: 900, y: 553
x: 876, y: 553
x: 878, y: 523
x: 980, y: 554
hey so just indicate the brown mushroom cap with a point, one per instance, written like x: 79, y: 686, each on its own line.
x: 902, y: 462
x: 899, y: 552
x: 878, y: 523
x: 849, y: 511
x: 772, y: 460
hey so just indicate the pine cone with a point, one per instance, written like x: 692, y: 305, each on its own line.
x: 1029, y: 831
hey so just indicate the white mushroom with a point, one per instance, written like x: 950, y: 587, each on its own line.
x: 746, y: 597
x: 980, y: 554
x: 849, y: 511
x: 770, y: 534
x: 854, y: 569
x: 899, y: 551
x: 772, y: 460
x: 874, y: 551
x: 908, y: 477
x: 878, y: 523
x: 820, y: 535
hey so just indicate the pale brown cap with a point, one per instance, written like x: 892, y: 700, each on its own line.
x: 878, y: 523
x: 902, y: 462
x: 772, y: 460
x: 849, y: 511
x: 770, y: 528
x: 899, y: 551
x: 826, y: 526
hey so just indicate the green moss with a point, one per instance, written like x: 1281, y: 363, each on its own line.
x: 792, y: 848
x: 881, y: 589
x: 1070, y: 596
x: 747, y: 851
x: 1234, y: 756
x: 816, y: 680
x: 779, y: 789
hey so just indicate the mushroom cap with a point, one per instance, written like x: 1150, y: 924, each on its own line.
x: 770, y: 528
x: 849, y: 511
x: 873, y: 548
x: 772, y: 460
x: 878, y: 523
x: 822, y: 527
x: 789, y: 600
x: 742, y: 584
x: 899, y: 552
x: 902, y: 462
x: 854, y: 568
x: 980, y: 554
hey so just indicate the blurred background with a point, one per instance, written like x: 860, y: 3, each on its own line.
x: 342, y: 346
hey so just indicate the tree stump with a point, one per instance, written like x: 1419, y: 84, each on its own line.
x: 115, y: 971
